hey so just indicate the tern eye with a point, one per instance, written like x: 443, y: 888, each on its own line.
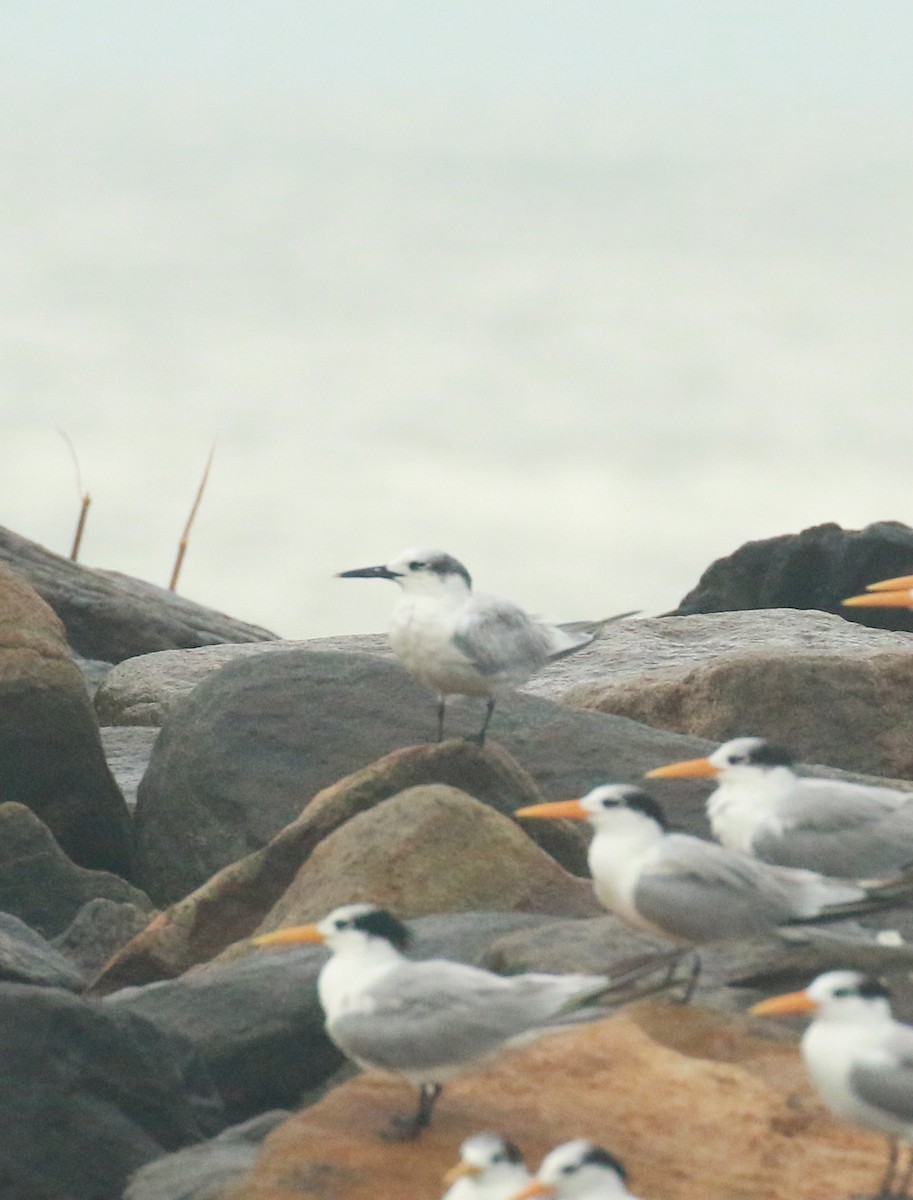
x: 416, y: 565
x: 735, y: 759
x: 610, y: 803
x: 569, y: 1169
x: 842, y: 993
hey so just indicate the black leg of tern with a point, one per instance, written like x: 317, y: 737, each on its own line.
x: 441, y: 705
x: 405, y: 1128
x: 489, y: 709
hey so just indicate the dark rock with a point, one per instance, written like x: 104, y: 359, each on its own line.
x: 25, y: 957
x: 256, y: 1020
x: 239, y: 758
x: 50, y: 753
x: 40, y: 884
x: 110, y: 616
x: 88, y: 1094
x: 816, y: 568
x: 99, y: 929
x: 205, y: 1171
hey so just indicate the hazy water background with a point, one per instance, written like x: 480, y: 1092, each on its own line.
x: 586, y: 293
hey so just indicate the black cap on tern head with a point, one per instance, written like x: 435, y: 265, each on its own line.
x: 602, y: 1158
x: 766, y: 754
x: 640, y: 802
x: 379, y: 923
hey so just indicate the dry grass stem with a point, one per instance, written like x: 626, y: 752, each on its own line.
x: 84, y: 498
x: 182, y: 546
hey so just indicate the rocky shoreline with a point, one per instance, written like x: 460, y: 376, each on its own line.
x: 144, y: 1045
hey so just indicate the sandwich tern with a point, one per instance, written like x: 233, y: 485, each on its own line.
x: 458, y: 641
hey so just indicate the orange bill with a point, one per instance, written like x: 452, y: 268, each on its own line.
x: 570, y: 810
x: 691, y: 768
x: 292, y: 936
x: 535, y: 1188
x: 880, y: 596
x: 891, y: 585
x: 782, y: 1006
x: 462, y: 1170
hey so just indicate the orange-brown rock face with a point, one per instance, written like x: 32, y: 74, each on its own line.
x: 697, y: 1106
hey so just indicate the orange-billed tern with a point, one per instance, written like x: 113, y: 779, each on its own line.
x: 859, y: 1058
x: 458, y: 641
x: 578, y: 1170
x: 425, y: 1020
x: 693, y: 891
x: 490, y: 1168
x: 762, y: 807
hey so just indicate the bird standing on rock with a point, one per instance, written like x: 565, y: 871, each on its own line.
x: 578, y: 1170
x: 458, y: 641
x: 693, y: 891
x: 426, y: 1020
x: 859, y: 1058
x: 490, y: 1168
x: 762, y: 807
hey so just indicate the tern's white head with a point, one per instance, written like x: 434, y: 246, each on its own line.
x: 578, y: 1170
x: 616, y: 808
x: 489, y: 1166
x: 744, y: 758
x: 421, y: 573
x: 834, y: 996
x: 351, y: 928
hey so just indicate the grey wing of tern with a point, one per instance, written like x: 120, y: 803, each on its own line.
x: 436, y: 1013
x: 850, y: 831
x: 702, y: 892
x: 499, y: 638
x: 886, y: 1080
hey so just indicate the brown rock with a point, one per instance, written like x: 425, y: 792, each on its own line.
x: 431, y: 849
x: 850, y: 712
x: 231, y: 905
x: 51, y: 759
x: 697, y: 1106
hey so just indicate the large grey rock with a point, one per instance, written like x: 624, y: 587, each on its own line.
x: 629, y: 652
x: 142, y: 690
x: 815, y: 569
x: 39, y: 884
x: 208, y: 1170
x: 830, y: 691
x: 109, y: 616
x: 89, y: 1093
x: 50, y: 753
x: 238, y: 759
x: 256, y: 1020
